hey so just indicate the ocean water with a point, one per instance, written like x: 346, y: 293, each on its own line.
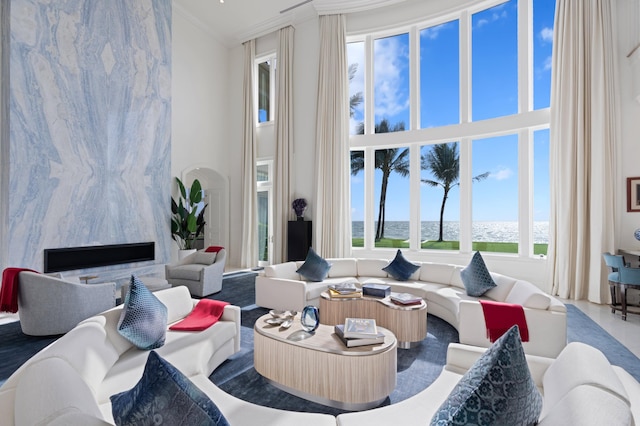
x: 481, y: 231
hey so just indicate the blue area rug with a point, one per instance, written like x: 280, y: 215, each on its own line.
x: 581, y: 328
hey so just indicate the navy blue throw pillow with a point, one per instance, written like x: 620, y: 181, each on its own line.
x: 476, y: 277
x: 314, y: 268
x: 164, y: 396
x: 496, y: 390
x: 400, y: 268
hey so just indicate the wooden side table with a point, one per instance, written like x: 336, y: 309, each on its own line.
x: 408, y: 323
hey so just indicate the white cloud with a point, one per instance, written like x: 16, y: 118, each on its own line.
x: 391, y: 90
x: 547, y: 63
x: 482, y: 22
x: 432, y: 33
x: 502, y: 173
x: 546, y: 34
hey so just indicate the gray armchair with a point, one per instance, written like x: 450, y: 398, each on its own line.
x: 49, y: 305
x: 200, y: 272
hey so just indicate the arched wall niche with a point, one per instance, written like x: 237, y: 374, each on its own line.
x: 216, y: 192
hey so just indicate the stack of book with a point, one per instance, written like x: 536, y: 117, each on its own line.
x: 405, y: 299
x: 359, y: 332
x: 344, y: 290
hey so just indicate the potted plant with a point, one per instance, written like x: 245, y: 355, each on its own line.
x: 187, y: 216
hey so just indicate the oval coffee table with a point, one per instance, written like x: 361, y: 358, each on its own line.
x: 408, y: 323
x: 320, y: 368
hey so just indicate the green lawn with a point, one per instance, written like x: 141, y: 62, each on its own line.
x: 453, y: 245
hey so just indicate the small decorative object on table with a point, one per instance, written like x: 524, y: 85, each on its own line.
x: 299, y: 205
x: 351, y: 343
x: 405, y: 299
x: 344, y: 290
x: 310, y: 318
x: 360, y: 328
x: 376, y: 290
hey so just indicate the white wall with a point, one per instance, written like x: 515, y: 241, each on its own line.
x: 200, y: 88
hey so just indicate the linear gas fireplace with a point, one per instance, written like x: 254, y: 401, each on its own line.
x: 70, y: 258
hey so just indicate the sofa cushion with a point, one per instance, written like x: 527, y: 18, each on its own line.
x: 343, y: 268
x: 314, y: 268
x: 190, y: 271
x: 202, y: 257
x: 579, y: 364
x: 438, y: 273
x: 497, y: 389
x: 588, y: 406
x: 528, y: 295
x: 143, y: 320
x: 372, y: 268
x: 476, y: 277
x: 285, y: 270
x: 503, y: 286
x: 400, y: 268
x: 165, y: 395
x: 49, y: 388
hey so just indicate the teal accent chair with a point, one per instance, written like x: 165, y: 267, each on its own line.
x: 621, y: 277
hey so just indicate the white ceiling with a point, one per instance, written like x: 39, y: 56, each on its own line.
x: 236, y: 21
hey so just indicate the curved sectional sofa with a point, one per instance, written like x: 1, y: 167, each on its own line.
x: 281, y: 287
x: 69, y: 382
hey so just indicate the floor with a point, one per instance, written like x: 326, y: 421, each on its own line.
x: 627, y: 332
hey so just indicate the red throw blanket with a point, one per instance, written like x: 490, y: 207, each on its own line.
x: 500, y: 317
x: 206, y: 313
x: 9, y: 289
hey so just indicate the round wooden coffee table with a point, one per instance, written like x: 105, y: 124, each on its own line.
x: 408, y: 323
x: 320, y: 368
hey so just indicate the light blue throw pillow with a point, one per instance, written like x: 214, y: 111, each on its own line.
x: 164, y: 396
x: 314, y: 268
x: 497, y: 389
x: 400, y: 268
x: 143, y: 320
x: 476, y: 277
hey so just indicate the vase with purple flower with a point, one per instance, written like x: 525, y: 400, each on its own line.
x: 299, y: 205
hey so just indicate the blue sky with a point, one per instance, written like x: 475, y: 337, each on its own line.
x: 494, y: 93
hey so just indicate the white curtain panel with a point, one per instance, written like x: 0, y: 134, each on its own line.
x: 284, y: 141
x: 332, y: 227
x: 249, y: 255
x: 583, y: 135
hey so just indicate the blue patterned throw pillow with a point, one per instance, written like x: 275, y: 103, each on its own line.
x: 476, y: 277
x: 314, y: 268
x: 400, y: 268
x: 143, y: 320
x: 497, y: 389
x: 164, y: 396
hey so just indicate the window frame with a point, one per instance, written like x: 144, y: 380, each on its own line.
x: 268, y: 57
x: 524, y: 123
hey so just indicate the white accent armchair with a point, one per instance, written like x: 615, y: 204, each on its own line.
x: 200, y: 272
x: 48, y: 305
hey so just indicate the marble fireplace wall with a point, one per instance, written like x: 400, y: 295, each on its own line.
x: 90, y: 126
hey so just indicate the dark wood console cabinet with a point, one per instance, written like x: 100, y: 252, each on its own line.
x: 299, y: 239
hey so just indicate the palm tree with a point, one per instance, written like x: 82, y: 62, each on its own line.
x: 388, y: 161
x: 357, y: 98
x: 444, y: 162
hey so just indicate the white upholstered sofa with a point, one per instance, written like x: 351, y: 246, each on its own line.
x: 69, y: 382
x: 281, y: 287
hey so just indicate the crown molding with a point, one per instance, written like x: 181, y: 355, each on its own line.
x: 197, y: 22
x: 331, y: 7
x: 263, y: 28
